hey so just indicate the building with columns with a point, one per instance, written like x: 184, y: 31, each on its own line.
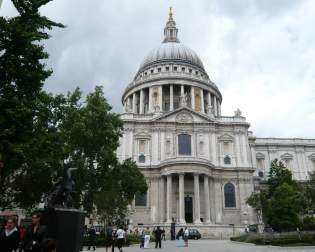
x: 200, y: 166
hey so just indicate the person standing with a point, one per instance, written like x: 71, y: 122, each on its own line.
x: 92, y: 237
x: 120, y: 234
x: 9, y: 237
x: 158, y: 237
x: 35, y: 234
x: 109, y: 236
x: 147, y: 238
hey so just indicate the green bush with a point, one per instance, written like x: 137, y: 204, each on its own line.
x: 286, y: 240
x: 308, y: 223
x: 100, y: 241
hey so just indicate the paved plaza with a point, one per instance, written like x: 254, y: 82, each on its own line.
x: 214, y: 245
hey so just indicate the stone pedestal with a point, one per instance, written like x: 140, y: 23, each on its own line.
x: 66, y: 227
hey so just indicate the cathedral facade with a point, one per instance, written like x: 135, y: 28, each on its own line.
x: 200, y: 166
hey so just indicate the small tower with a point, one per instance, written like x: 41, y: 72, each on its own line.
x: 170, y: 30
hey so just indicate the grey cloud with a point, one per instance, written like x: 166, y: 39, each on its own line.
x: 260, y: 53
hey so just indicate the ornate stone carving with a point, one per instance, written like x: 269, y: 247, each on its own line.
x: 184, y: 117
x: 238, y: 113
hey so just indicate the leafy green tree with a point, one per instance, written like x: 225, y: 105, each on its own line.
x: 125, y: 180
x: 23, y: 73
x: 282, y: 201
x: 309, y: 194
x: 284, y: 207
x: 40, y: 130
x: 258, y: 202
x: 279, y: 174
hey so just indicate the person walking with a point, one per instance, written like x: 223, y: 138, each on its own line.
x: 163, y: 234
x: 186, y: 234
x: 180, y: 234
x: 92, y: 237
x: 180, y: 238
x: 158, y: 237
x: 114, y: 239
x: 109, y: 236
x: 9, y: 237
x: 120, y: 234
x: 35, y: 235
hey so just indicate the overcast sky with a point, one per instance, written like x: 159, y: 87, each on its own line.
x: 260, y: 53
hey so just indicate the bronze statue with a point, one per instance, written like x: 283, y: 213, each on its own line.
x: 60, y: 195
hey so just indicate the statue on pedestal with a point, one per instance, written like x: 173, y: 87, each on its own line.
x: 60, y: 195
x: 238, y: 113
x: 210, y: 111
x: 184, y: 100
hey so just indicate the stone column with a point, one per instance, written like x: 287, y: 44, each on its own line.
x: 207, y: 198
x: 202, y: 101
x: 215, y: 106
x: 169, y: 198
x: 161, y: 97
x: 209, y: 98
x: 129, y: 103
x: 237, y: 153
x: 134, y: 109
x: 218, y: 200
x: 219, y: 108
x: 197, y: 199
x: 181, y: 198
x: 150, y: 100
x: 171, y: 98
x: 162, y: 200
x: 192, y: 95
x: 141, y: 102
x: 182, y: 90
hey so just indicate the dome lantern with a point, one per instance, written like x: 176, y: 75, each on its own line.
x: 170, y: 30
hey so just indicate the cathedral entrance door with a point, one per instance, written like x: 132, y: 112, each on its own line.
x: 188, y: 209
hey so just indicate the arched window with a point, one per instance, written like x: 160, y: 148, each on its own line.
x: 184, y: 144
x: 229, y: 195
x: 227, y: 160
x: 141, y: 199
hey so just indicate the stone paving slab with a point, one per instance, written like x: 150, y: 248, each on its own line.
x: 212, y: 245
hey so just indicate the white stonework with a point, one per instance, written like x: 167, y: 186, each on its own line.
x: 172, y: 99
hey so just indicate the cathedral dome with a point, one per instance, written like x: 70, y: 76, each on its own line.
x: 174, y: 52
x: 171, y: 50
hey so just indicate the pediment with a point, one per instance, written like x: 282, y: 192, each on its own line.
x: 286, y: 156
x: 259, y: 155
x: 312, y: 156
x: 183, y: 115
x: 225, y: 138
x: 142, y: 135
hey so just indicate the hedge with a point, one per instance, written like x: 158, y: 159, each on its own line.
x: 283, y: 240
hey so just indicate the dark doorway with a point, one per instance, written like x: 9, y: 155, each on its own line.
x: 188, y: 209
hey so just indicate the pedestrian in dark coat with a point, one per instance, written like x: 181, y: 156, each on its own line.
x: 92, y: 237
x: 9, y: 237
x: 35, y: 234
x: 158, y: 237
